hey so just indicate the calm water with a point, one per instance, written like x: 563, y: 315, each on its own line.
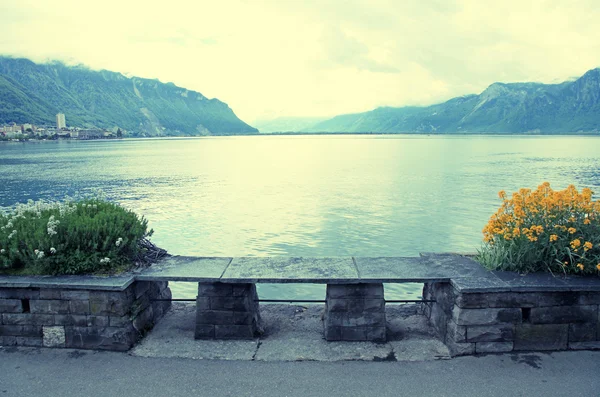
x: 303, y: 195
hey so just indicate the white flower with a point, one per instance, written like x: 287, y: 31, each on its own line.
x: 2, y: 251
x: 119, y: 241
x: 105, y: 260
x: 40, y: 254
x: 53, y: 250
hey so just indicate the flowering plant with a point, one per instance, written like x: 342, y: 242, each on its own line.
x: 90, y: 235
x: 544, y: 230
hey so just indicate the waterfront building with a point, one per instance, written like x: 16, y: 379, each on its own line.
x: 60, y: 121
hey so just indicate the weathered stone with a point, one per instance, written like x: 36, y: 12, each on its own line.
x: 109, y: 338
x: 21, y: 330
x: 564, y: 314
x: 50, y: 294
x: 333, y: 333
x: 337, y: 305
x: 141, y: 287
x: 557, y: 298
x: 79, y: 306
x: 589, y: 298
x: 485, y: 316
x: 29, y: 341
x: 78, y: 320
x: 234, y: 332
x: 50, y: 306
x: 214, y: 317
x: 513, y: 299
x: 203, y: 303
x: 11, y: 306
x: 8, y: 341
x: 460, y: 349
x: 490, y: 333
x: 19, y: 293
x: 541, y: 336
x: 144, y: 321
x: 97, y: 321
x: 81, y: 295
x: 54, y: 336
x: 583, y: 332
x: 354, y: 333
x: 215, y: 289
x: 27, y: 319
x: 472, y: 301
x: 591, y: 345
x: 229, y: 303
x: 377, y: 334
x: 204, y: 331
x: 364, y: 319
x: 456, y: 333
x: 109, y: 307
x: 493, y: 347
x: 370, y: 290
x: 119, y: 321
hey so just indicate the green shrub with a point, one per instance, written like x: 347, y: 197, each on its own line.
x: 544, y: 230
x: 90, y: 235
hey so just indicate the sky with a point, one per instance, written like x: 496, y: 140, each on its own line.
x: 313, y: 58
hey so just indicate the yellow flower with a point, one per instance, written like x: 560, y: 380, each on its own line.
x: 572, y: 230
x: 587, y: 221
x: 502, y: 194
x: 575, y: 243
x: 516, y: 231
x: 553, y: 237
x: 580, y: 266
x: 587, y: 246
x: 598, y: 266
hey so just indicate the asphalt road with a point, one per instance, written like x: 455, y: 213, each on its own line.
x: 52, y: 372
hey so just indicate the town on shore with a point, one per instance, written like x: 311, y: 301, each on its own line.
x: 28, y: 131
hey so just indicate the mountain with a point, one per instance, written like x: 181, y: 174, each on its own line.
x: 286, y: 124
x: 34, y: 93
x: 568, y: 107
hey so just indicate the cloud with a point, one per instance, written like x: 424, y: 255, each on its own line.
x: 314, y: 58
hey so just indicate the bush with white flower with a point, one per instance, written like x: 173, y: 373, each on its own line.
x: 89, y: 235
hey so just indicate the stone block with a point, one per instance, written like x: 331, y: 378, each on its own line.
x: 202, y: 303
x: 79, y: 320
x: 564, y: 314
x: 234, y: 332
x: 21, y: 330
x: 460, y: 349
x: 567, y: 298
x: 591, y: 345
x: 54, y: 336
x: 487, y: 316
x: 513, y: 299
x: 589, y: 298
x: 50, y: 293
x: 98, y: 321
x: 582, y: 332
x: 493, y: 347
x: 229, y: 303
x: 335, y: 318
x: 541, y: 336
x: 109, y: 307
x: 19, y: 293
x: 50, y: 306
x: 472, y: 301
x: 456, y: 333
x: 370, y: 290
x: 204, y: 331
x: 80, y: 295
x: 27, y: 319
x: 354, y: 333
x: 364, y: 319
x: 333, y: 333
x: 241, y: 289
x: 109, y: 338
x: 79, y: 307
x: 337, y: 305
x: 377, y: 334
x: 216, y: 289
x: 144, y: 321
x: 490, y: 333
x: 140, y: 288
x: 29, y: 341
x: 11, y: 306
x: 8, y: 341
x: 214, y: 317
x: 119, y: 321
x: 243, y: 318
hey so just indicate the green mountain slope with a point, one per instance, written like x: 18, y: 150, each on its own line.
x: 502, y: 108
x: 34, y: 93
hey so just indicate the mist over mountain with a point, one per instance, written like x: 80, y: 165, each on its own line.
x: 34, y: 93
x: 569, y: 107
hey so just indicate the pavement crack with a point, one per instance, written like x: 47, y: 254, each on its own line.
x: 256, y: 351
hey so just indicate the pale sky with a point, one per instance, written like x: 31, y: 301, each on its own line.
x: 293, y: 58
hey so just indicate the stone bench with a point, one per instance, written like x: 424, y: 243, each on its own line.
x: 227, y: 302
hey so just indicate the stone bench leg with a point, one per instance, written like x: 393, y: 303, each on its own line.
x: 227, y: 311
x: 355, y: 312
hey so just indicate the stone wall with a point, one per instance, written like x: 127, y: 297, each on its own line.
x: 497, y: 320
x: 80, y: 318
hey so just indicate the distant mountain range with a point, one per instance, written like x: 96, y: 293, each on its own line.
x: 34, y: 93
x: 569, y: 107
x: 287, y: 124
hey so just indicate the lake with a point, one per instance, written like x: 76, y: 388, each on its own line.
x: 379, y: 195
